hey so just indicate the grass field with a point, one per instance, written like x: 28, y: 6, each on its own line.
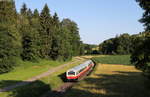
x: 113, y: 59
x: 27, y: 70
x: 112, y: 81
x: 38, y: 88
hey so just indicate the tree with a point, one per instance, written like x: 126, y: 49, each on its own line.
x: 108, y: 46
x: 55, y: 37
x: 45, y: 32
x: 82, y: 48
x: 10, y: 45
x: 36, y: 13
x: 29, y: 35
x: 29, y: 15
x: 24, y: 10
x: 123, y: 44
x: 74, y: 35
x: 35, y: 24
x: 65, y: 51
x: 119, y: 45
x: 141, y: 53
x: 145, y: 5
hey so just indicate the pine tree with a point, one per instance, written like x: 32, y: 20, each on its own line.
x: 29, y: 15
x: 36, y: 14
x: 29, y: 35
x: 35, y: 23
x: 65, y: 48
x: 45, y: 32
x: 24, y: 10
x: 55, y: 37
x: 10, y: 45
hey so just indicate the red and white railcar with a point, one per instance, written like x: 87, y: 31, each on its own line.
x: 77, y: 72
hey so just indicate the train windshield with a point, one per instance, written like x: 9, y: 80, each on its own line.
x: 71, y: 73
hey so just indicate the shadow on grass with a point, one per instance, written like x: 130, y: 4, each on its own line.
x: 122, y: 84
x: 34, y: 89
x: 4, y: 83
x: 63, y: 77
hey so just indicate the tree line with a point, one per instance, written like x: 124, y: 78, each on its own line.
x: 122, y: 44
x: 33, y: 35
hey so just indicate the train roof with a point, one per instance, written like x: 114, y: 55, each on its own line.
x: 79, y: 67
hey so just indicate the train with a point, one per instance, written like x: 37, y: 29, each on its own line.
x: 75, y: 73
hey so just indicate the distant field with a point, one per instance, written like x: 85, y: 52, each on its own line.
x: 113, y: 59
x: 112, y: 81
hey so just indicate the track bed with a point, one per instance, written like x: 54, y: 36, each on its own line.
x: 60, y: 91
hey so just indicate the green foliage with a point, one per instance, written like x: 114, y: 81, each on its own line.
x: 10, y: 45
x: 45, y: 32
x: 141, y: 55
x: 107, y: 46
x: 145, y: 5
x: 118, y: 45
x: 73, y: 34
x: 65, y: 48
x: 30, y: 36
x: 24, y: 9
x: 82, y: 48
x: 6, y: 64
x: 29, y: 45
x: 54, y: 54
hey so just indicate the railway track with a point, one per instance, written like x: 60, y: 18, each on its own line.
x: 59, y: 92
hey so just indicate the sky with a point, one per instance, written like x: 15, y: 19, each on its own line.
x: 97, y: 20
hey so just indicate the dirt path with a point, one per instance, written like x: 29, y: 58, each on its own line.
x: 49, y: 72
x: 112, y: 81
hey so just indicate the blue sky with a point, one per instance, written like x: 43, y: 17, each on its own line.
x: 97, y: 20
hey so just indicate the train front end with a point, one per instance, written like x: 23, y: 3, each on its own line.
x: 71, y: 75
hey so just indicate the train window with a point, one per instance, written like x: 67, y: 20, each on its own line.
x: 71, y: 73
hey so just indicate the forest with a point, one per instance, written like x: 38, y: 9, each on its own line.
x: 32, y: 35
